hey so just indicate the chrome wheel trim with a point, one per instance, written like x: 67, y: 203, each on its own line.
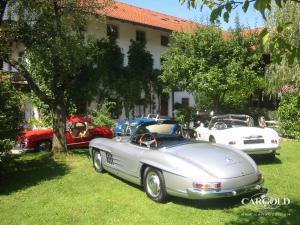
x: 153, y: 184
x: 97, y: 160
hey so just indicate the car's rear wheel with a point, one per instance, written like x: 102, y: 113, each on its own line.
x: 44, y: 146
x: 212, y: 139
x: 97, y: 161
x: 154, y: 184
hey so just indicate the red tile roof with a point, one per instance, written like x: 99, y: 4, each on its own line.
x: 137, y: 15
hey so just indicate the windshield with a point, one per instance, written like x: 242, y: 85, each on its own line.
x: 151, y: 134
x: 230, y: 121
x: 162, y: 130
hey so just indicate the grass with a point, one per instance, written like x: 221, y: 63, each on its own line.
x: 38, y: 190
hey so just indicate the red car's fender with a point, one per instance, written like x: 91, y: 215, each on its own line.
x: 101, y: 132
x: 30, y: 138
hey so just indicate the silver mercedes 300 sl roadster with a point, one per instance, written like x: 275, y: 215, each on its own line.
x: 158, y: 158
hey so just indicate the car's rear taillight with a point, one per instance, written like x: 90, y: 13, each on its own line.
x: 231, y: 142
x: 207, y: 186
x: 273, y: 141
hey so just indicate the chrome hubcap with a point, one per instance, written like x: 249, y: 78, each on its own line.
x: 44, y: 146
x: 97, y: 160
x: 153, y: 184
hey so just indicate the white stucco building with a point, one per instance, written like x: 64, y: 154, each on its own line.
x: 126, y: 22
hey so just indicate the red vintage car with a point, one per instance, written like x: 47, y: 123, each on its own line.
x: 79, y: 132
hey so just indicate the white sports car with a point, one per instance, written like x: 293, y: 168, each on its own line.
x: 238, y: 131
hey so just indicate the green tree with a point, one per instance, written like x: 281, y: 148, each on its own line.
x: 223, y: 8
x: 206, y: 64
x: 55, y: 51
x: 285, y: 72
x: 100, y: 77
x: 284, y: 77
x: 11, y: 116
x: 137, y: 77
x: 289, y: 113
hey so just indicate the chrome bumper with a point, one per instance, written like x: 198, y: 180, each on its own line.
x: 200, y: 194
x: 261, y: 151
x: 22, y: 149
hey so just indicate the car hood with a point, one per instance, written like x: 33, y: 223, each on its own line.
x: 29, y: 133
x: 216, y: 160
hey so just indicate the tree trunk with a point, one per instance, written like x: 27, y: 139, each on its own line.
x: 59, y: 144
x: 216, y: 102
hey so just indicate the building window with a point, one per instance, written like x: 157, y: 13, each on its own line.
x: 141, y: 36
x: 1, y: 64
x: 112, y: 31
x: 185, y: 102
x: 164, y: 40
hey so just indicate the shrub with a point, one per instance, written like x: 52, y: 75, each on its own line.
x: 289, y: 114
x: 184, y: 115
x: 11, y: 116
x: 102, y: 115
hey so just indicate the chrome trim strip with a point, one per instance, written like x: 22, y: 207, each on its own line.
x: 78, y: 143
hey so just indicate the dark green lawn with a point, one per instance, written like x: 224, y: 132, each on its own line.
x: 38, y: 190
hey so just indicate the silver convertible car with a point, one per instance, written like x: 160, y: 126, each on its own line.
x: 158, y: 158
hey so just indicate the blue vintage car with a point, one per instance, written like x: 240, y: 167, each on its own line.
x: 121, y: 127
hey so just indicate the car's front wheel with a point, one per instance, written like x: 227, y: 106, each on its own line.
x: 154, y: 184
x: 44, y: 146
x: 97, y: 161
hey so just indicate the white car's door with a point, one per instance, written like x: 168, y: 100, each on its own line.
x: 203, y: 133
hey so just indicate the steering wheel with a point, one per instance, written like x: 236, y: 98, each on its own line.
x: 148, y: 140
x: 220, y: 125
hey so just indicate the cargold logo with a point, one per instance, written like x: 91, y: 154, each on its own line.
x: 266, y: 201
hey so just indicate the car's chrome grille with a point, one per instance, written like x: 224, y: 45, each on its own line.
x: 254, y: 141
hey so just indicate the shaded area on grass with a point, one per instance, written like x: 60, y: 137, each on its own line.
x: 80, y: 152
x: 28, y: 170
x: 289, y: 214
x: 266, y: 159
x: 210, y: 204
